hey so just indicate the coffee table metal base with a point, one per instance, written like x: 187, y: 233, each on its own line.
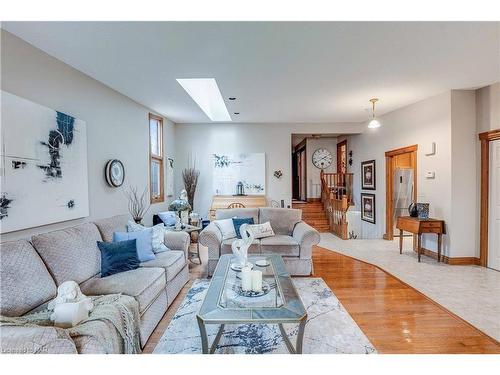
x: 293, y: 350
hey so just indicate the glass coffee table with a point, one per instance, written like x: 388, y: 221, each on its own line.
x: 225, y: 303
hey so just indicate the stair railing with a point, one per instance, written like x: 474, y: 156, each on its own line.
x: 336, y: 195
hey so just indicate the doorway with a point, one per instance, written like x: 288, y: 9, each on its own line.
x: 494, y: 212
x: 401, y: 185
x: 490, y: 200
x: 299, y: 172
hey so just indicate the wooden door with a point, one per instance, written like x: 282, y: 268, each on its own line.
x: 494, y: 211
x: 401, y: 157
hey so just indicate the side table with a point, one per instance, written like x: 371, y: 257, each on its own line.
x: 418, y: 227
x: 189, y: 229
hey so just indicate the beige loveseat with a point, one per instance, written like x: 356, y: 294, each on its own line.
x: 32, y: 270
x: 293, y: 238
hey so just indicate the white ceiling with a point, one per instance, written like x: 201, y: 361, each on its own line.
x: 279, y: 71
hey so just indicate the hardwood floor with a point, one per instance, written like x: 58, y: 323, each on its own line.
x: 395, y: 317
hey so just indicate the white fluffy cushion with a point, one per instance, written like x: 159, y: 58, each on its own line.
x: 262, y: 230
x: 226, y: 227
x: 158, y: 235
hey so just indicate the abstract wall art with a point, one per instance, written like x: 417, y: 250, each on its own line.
x: 43, y: 165
x: 247, y: 168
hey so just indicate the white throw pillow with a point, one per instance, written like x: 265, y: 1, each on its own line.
x: 262, y: 230
x: 158, y: 235
x: 226, y: 227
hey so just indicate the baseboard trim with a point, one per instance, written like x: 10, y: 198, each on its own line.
x: 455, y: 261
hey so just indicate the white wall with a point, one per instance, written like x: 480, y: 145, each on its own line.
x: 488, y: 108
x: 202, y: 140
x: 464, y: 190
x: 313, y: 173
x: 117, y: 127
x: 420, y: 123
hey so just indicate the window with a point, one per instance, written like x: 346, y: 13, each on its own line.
x: 156, y: 158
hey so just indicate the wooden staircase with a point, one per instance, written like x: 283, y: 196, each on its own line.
x: 314, y: 214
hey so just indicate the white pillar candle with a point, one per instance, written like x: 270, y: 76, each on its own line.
x: 246, y: 279
x: 257, y: 281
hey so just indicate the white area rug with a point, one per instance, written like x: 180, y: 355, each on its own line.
x: 329, y: 328
x: 471, y: 292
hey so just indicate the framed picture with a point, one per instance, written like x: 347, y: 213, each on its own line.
x: 170, y: 177
x: 368, y: 207
x: 368, y: 176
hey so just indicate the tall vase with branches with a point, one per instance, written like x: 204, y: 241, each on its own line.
x: 138, y: 203
x: 190, y: 176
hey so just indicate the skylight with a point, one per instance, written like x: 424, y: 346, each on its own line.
x: 206, y: 93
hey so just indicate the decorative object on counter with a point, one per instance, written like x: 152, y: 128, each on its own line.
x: 181, y: 206
x: 368, y: 207
x: 240, y: 247
x: 240, y: 189
x: 423, y: 210
x: 70, y: 306
x: 413, y: 210
x: 262, y: 263
x: 194, y: 219
x: 114, y: 173
x: 350, y: 157
x: 190, y: 176
x: 368, y: 175
x: 278, y: 174
x: 137, y: 203
x: 352, y: 235
x: 170, y: 177
x: 274, y: 203
x: 246, y: 279
x: 257, y: 281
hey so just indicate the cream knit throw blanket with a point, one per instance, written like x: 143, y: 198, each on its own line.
x: 115, y: 311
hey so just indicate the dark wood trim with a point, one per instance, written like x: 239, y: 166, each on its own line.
x: 455, y: 261
x: 402, y: 150
x: 491, y: 135
x: 300, y: 145
x: 389, y: 224
x: 485, y: 192
x: 485, y: 138
x: 157, y: 158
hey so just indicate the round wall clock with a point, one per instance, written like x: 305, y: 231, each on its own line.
x: 115, y: 173
x: 322, y: 158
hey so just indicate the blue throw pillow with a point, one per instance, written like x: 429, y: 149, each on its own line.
x: 144, y: 242
x: 238, y: 222
x: 118, y: 257
x: 168, y: 217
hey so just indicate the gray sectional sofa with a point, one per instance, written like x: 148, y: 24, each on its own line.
x: 32, y: 270
x: 293, y: 238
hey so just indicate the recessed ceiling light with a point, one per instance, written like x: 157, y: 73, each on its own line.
x: 232, y: 98
x: 206, y: 93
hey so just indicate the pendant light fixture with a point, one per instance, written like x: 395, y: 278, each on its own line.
x: 374, y: 123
